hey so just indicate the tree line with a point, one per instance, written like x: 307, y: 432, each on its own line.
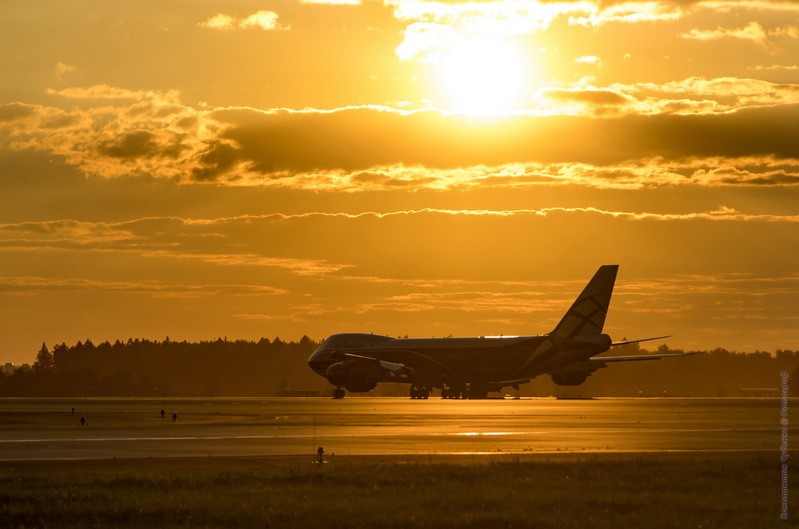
x: 150, y: 368
x: 146, y: 368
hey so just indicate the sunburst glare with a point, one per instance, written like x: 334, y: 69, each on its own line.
x: 483, y: 77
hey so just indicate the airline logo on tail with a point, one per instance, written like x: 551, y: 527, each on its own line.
x: 587, y: 314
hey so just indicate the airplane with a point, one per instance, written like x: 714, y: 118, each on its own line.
x: 472, y: 367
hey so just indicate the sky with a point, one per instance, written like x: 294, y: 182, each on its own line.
x: 196, y: 169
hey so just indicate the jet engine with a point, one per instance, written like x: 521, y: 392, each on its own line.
x: 570, y: 379
x: 354, y: 375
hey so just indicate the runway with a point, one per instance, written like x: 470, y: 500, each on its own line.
x: 45, y: 429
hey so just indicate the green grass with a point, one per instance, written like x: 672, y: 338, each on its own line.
x: 741, y: 490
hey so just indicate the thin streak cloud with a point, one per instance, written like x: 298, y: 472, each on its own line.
x: 30, y: 284
x: 265, y: 20
x: 133, y: 229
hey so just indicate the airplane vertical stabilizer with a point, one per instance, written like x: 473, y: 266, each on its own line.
x: 587, y: 315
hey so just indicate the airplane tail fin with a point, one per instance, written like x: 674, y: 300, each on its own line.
x: 587, y: 314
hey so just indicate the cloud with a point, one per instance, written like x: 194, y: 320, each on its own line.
x: 231, y: 250
x: 426, y: 41
x: 468, y: 301
x: 265, y: 20
x: 111, y: 93
x: 791, y: 32
x: 593, y: 97
x: 219, y: 21
x: 150, y: 288
x: 66, y: 231
x: 118, y: 132
x: 260, y: 267
x: 634, y: 135
x: 61, y: 69
x: 499, y: 17
x: 364, y: 146
x: 631, y: 174
x: 691, y: 96
x: 157, y: 236
x: 301, y: 267
x: 332, y: 2
x: 774, y: 67
x: 17, y: 111
x: 628, y: 13
x: 518, y: 17
x: 163, y: 238
x: 753, y: 32
x: 434, y: 25
x: 779, y: 6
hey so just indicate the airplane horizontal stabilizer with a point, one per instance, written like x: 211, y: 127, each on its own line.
x: 631, y: 358
x: 625, y: 342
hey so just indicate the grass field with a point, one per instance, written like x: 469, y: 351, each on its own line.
x: 740, y: 490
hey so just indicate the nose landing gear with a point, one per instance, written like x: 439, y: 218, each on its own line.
x: 338, y: 393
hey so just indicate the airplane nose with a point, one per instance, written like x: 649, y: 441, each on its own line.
x: 320, y: 360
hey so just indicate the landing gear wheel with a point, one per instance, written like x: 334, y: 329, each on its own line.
x: 419, y: 392
x: 450, y: 393
x: 338, y: 393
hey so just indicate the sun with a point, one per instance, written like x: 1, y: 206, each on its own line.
x: 483, y: 77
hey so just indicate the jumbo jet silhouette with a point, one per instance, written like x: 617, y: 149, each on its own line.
x: 471, y: 367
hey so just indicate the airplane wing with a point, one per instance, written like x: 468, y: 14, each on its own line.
x: 405, y: 364
x: 391, y: 366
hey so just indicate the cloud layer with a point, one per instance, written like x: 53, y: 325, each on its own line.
x: 695, y: 132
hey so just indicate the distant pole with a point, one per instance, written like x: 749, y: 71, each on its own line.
x: 313, y: 448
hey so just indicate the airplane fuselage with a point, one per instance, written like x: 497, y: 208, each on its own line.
x: 483, y: 360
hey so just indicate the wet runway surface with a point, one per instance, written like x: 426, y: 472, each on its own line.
x: 44, y: 429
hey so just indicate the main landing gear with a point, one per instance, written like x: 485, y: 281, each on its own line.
x: 419, y: 392
x: 450, y: 393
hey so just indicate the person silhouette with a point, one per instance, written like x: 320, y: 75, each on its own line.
x: 83, y: 421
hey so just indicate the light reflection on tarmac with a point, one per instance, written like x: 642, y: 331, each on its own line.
x: 44, y: 429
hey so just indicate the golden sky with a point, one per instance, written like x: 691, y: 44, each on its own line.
x: 200, y: 168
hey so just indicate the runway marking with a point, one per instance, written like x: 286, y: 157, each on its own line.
x: 369, y: 434
x: 192, y: 438
x: 474, y: 434
x: 436, y: 454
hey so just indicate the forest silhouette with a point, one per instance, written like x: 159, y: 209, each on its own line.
x: 222, y: 368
